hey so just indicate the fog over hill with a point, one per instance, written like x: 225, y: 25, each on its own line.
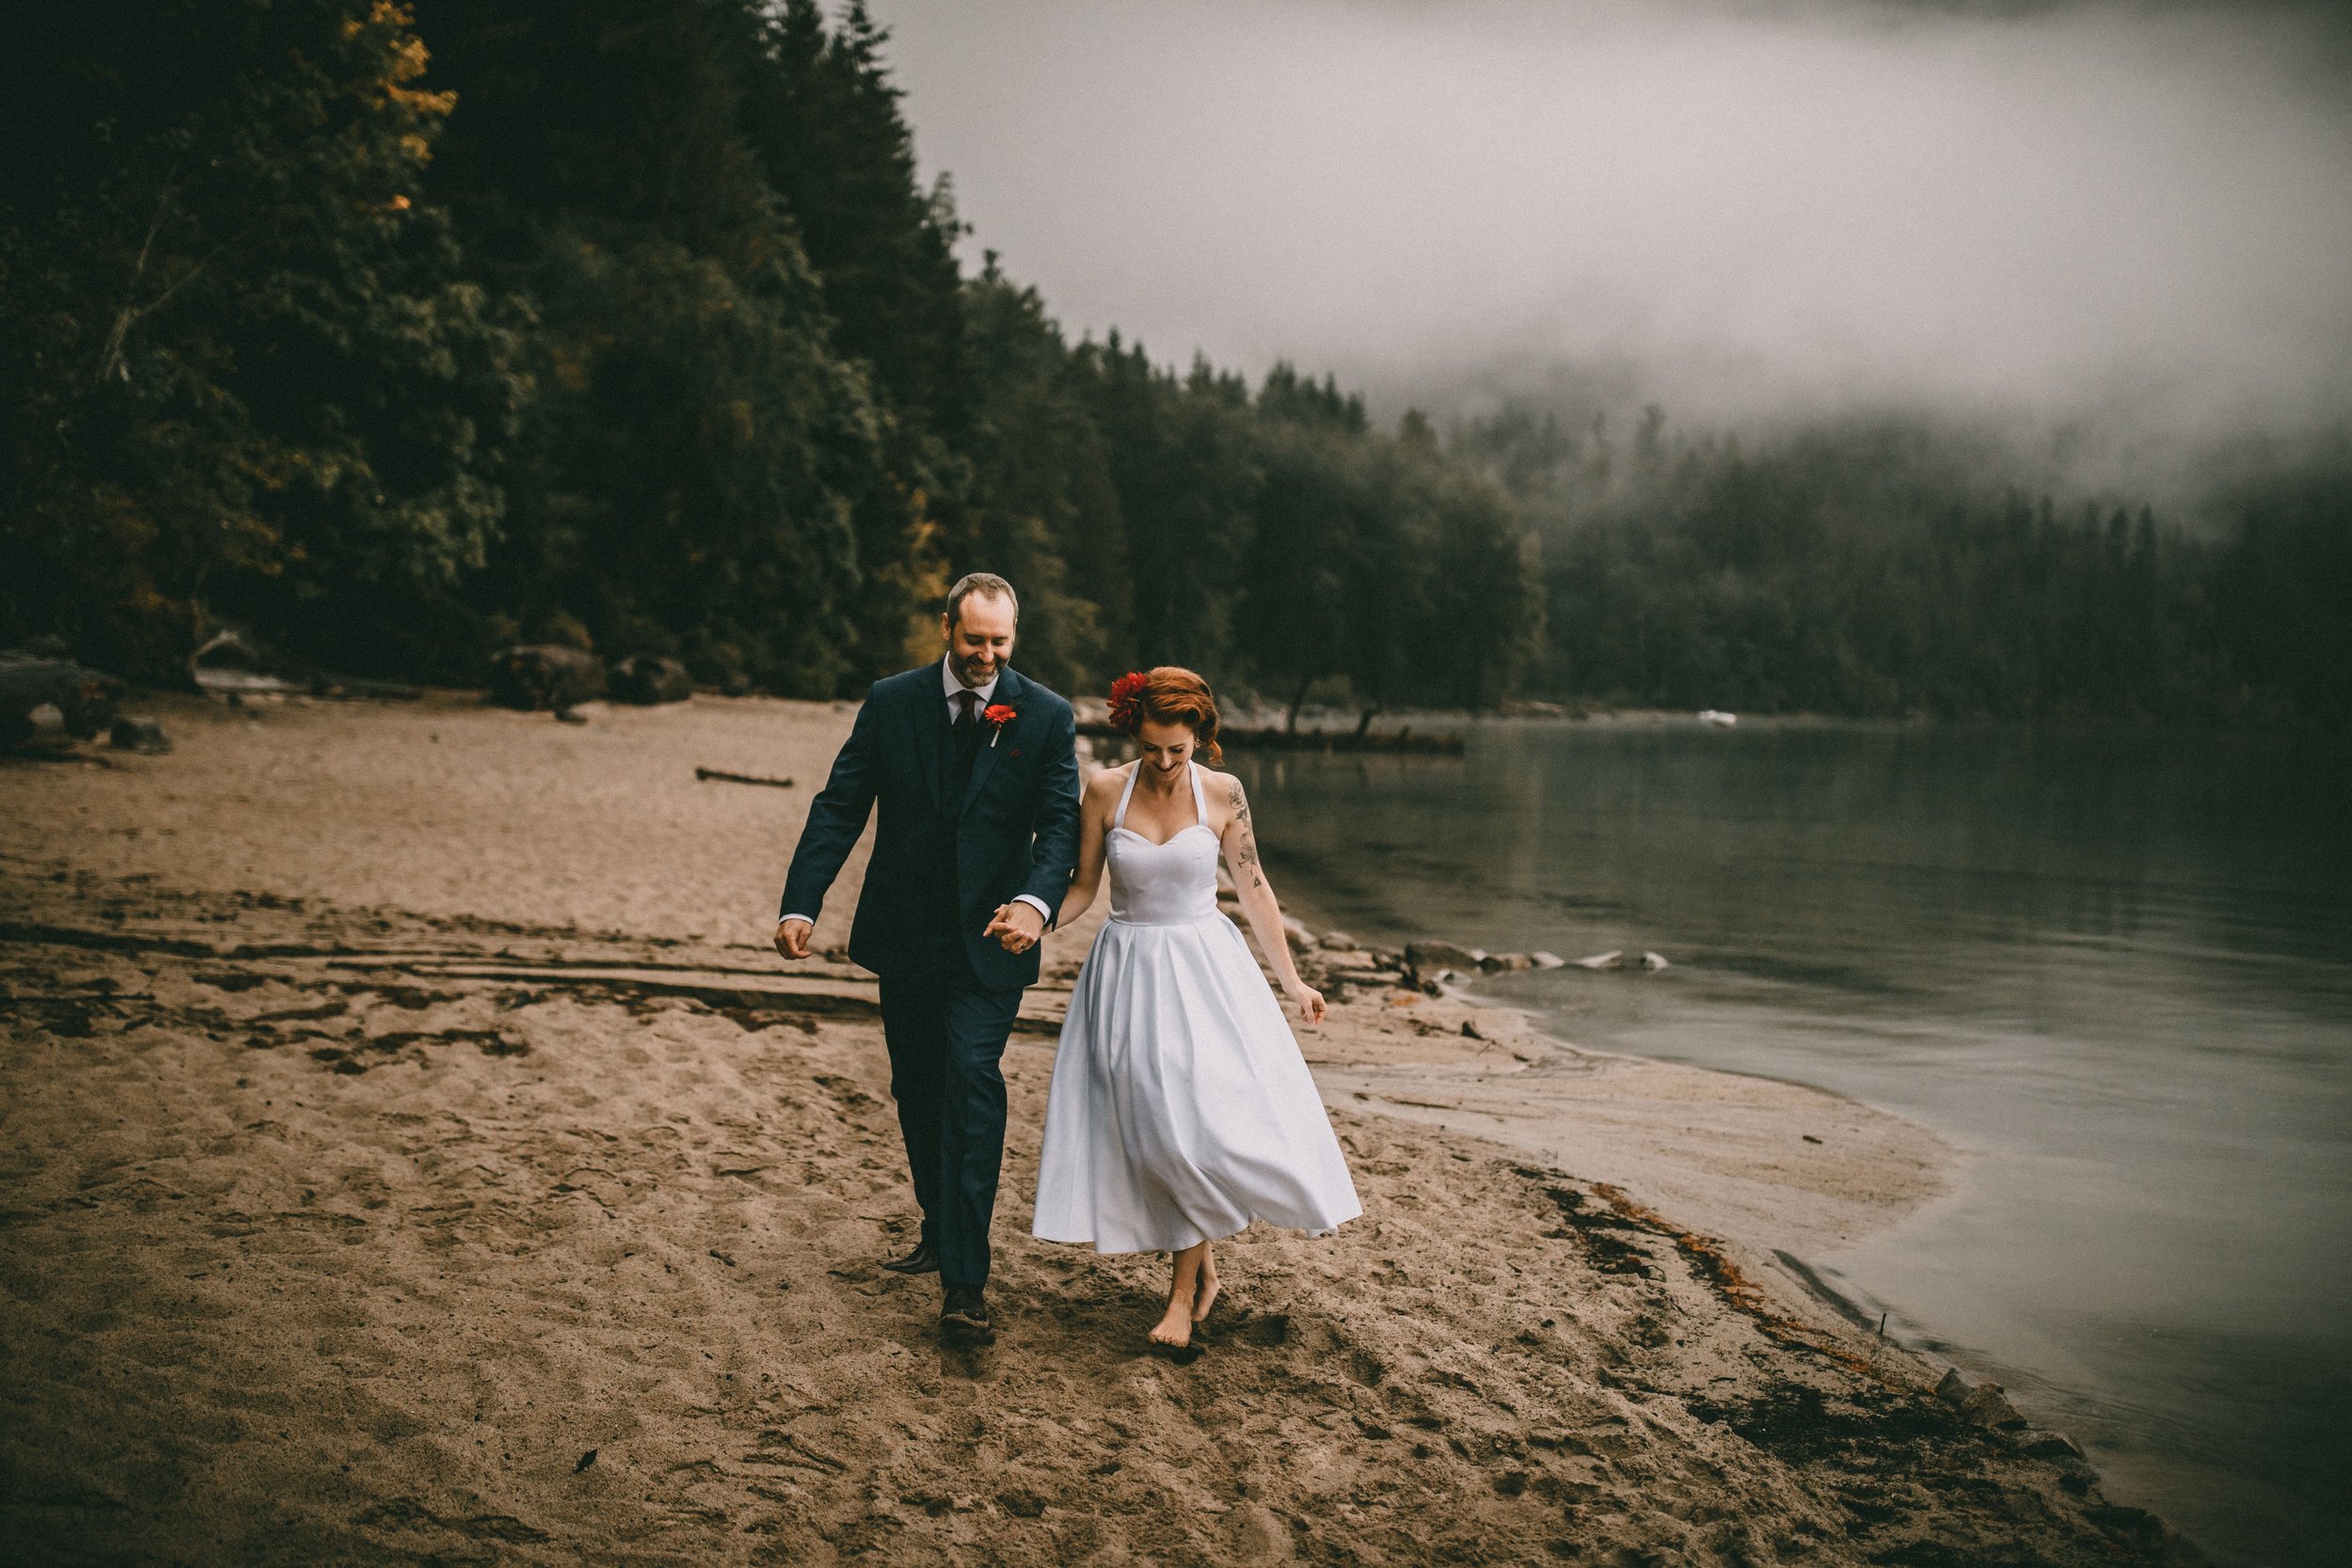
x: 2124, y: 228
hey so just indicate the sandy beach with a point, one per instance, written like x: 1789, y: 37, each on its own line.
x: 414, y: 1154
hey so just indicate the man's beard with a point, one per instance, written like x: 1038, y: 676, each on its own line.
x: 972, y: 671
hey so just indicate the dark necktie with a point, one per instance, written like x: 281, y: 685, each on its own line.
x: 967, y: 722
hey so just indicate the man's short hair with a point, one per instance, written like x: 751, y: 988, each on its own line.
x: 986, y: 584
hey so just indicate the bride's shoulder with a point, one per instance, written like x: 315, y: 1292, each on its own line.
x: 1107, y: 782
x: 1225, y: 797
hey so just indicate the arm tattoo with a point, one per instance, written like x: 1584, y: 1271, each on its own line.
x: 1245, y: 856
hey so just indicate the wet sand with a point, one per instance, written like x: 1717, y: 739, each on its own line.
x: 412, y: 1152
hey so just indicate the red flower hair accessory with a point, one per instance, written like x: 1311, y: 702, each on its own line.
x: 1127, y: 699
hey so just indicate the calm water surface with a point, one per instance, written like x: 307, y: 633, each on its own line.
x: 2118, y: 968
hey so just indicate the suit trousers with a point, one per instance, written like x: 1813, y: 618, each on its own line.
x: 946, y: 1034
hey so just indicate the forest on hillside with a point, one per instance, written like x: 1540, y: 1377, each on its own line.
x: 1897, y: 565
x: 397, y: 332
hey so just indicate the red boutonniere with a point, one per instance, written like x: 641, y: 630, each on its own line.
x: 996, y: 715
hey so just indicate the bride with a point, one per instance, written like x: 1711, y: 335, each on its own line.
x: 1181, y: 1109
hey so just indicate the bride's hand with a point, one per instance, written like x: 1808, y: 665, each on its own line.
x: 1012, y: 928
x: 1308, y: 999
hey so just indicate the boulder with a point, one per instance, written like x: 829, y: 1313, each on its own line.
x: 544, y: 677
x: 1300, y: 938
x: 133, y: 733
x: 1987, y: 1406
x: 649, y: 679
x: 45, y: 727
x: 1654, y: 962
x: 1338, y: 941
x: 79, y: 701
x: 2135, y: 1525
x: 1953, y: 1390
x: 1429, y: 956
x: 1497, y: 964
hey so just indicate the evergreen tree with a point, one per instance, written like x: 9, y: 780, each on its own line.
x: 240, y: 368
x: 706, y: 472
x: 1043, y: 510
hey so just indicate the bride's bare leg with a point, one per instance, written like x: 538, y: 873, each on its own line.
x: 1183, y: 1287
x: 1205, y: 1287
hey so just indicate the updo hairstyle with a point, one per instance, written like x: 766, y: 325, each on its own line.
x: 1168, y: 695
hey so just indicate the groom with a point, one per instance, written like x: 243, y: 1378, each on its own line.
x: 976, y: 771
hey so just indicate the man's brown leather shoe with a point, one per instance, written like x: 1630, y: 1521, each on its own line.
x: 923, y: 1260
x: 964, y: 1316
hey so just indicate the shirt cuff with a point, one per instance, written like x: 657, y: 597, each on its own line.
x: 781, y: 918
x: 1036, y: 903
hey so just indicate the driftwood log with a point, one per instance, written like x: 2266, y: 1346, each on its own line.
x: 544, y: 675
x: 231, y: 661
x: 354, y: 688
x: 714, y: 775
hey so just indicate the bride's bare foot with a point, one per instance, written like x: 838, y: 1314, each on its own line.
x: 1174, y: 1330
x: 1205, y: 1297
x: 1192, y: 1282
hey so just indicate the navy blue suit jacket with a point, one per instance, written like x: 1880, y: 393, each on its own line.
x: 1016, y: 827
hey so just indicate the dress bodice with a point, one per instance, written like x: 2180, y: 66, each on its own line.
x: 1163, y: 884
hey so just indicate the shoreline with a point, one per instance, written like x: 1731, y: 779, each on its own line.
x: 1890, y: 1321
x: 415, y: 1142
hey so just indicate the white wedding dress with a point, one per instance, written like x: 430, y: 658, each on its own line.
x: 1181, y: 1109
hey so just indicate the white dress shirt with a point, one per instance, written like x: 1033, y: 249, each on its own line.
x: 950, y: 685
x: 947, y: 679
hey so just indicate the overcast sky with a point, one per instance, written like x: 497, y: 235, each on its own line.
x: 1765, y: 207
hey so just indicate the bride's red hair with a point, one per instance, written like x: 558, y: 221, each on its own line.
x: 1168, y: 695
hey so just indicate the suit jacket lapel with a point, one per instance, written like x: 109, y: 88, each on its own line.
x: 1008, y: 687
x: 929, y: 743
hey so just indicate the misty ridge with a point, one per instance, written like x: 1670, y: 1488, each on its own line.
x: 2118, y: 230
x: 1863, y: 357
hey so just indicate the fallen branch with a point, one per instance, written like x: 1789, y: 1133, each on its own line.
x: 741, y: 778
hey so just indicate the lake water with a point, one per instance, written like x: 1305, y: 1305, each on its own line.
x: 2116, y: 967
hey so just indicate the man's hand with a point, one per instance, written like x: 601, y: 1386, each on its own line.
x: 1016, y: 927
x: 792, y: 937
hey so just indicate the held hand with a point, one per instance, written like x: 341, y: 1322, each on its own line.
x: 1016, y: 927
x: 1310, y: 1000
x: 792, y: 937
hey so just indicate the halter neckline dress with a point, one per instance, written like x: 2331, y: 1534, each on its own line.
x: 1181, y: 1109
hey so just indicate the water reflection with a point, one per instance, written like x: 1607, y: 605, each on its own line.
x: 2117, y: 967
